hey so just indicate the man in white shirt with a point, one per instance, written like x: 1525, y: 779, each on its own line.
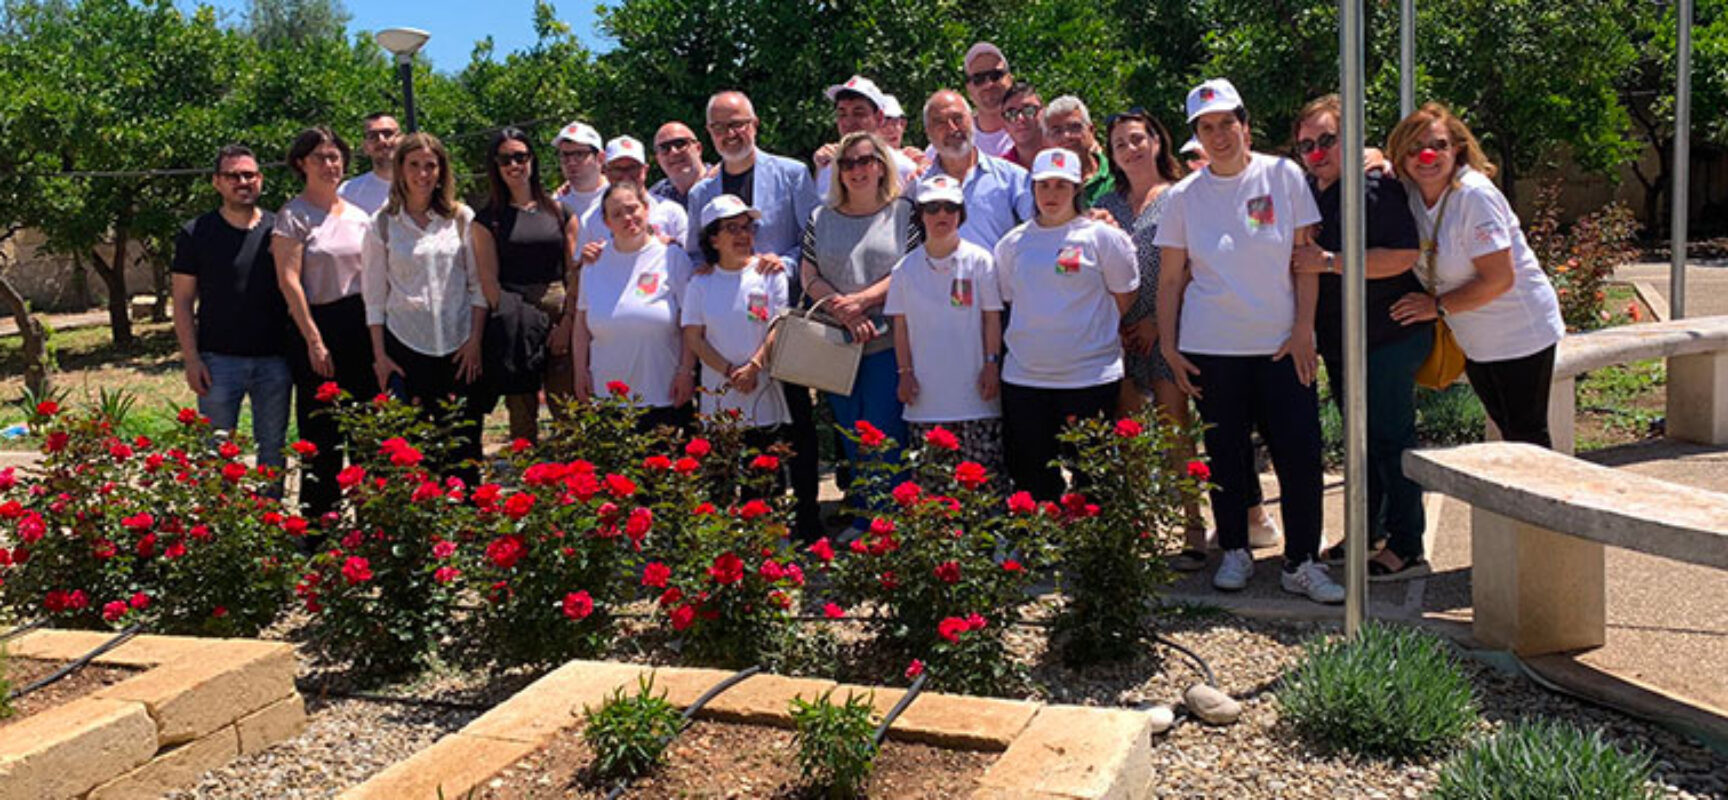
x: 369, y: 191
x: 625, y: 161
x: 858, y: 106
x: 580, y: 156
x: 987, y: 82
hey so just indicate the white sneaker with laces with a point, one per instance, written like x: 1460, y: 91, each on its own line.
x: 1312, y: 580
x: 1264, y: 533
x: 1234, y: 570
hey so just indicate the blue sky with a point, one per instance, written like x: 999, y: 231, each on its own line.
x: 454, y: 24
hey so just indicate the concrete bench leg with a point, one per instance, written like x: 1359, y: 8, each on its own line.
x: 1698, y: 398
x: 1535, y: 591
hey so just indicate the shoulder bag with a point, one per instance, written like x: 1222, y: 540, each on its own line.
x: 1446, y: 361
x: 811, y: 350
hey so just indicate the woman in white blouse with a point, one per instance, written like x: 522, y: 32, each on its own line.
x: 424, y: 306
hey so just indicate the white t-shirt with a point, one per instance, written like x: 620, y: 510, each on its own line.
x: 997, y: 144
x: 735, y: 309
x: 368, y: 191
x: 664, y: 218
x: 632, y: 302
x: 579, y: 203
x: 942, y: 301
x: 1477, y: 221
x: 1239, y: 232
x: 907, y: 168
x: 1062, y: 333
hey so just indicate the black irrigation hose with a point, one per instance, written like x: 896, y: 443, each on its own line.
x: 905, y: 700
x: 624, y: 783
x: 1205, y: 669
x: 23, y: 629
x: 78, y: 664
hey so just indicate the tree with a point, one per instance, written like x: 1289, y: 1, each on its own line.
x: 1647, y: 90
x: 287, y: 23
x: 33, y: 337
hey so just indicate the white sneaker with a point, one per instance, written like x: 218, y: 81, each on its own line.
x: 1264, y: 533
x: 1311, y: 579
x: 1234, y: 570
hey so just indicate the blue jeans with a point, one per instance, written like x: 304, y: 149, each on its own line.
x: 267, y: 380
x: 875, y: 398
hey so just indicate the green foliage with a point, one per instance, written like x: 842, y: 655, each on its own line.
x: 1541, y: 759
x: 1390, y: 691
x: 290, y: 23
x: 836, y: 744
x: 1580, y: 259
x: 629, y: 733
x: 5, y: 686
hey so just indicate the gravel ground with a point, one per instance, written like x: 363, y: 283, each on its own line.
x: 351, y: 739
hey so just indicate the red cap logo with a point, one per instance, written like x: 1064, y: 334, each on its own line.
x: 1059, y: 160
x: 1206, y: 94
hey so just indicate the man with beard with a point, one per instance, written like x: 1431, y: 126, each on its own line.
x: 370, y: 190
x: 998, y: 193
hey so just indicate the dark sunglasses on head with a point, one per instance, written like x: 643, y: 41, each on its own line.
x: 986, y: 76
x: 1137, y: 113
x: 940, y: 207
x: 849, y: 164
x: 1322, y: 142
x: 672, y: 144
x: 506, y: 159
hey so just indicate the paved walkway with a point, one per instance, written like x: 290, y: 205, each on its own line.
x: 1706, y: 285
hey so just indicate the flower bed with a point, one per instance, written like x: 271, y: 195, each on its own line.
x: 20, y: 672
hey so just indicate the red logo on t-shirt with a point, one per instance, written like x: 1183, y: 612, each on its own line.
x: 647, y: 283
x: 756, y: 306
x: 960, y: 293
x: 1068, y: 261
x: 1260, y: 212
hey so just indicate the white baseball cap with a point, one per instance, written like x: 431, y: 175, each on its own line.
x: 580, y: 133
x: 982, y: 48
x: 937, y: 188
x: 1056, y: 162
x: 726, y: 206
x: 1191, y: 146
x: 861, y: 86
x: 1214, y: 95
x: 891, y: 107
x: 626, y: 147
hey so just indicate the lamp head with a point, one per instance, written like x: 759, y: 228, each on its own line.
x: 403, y: 42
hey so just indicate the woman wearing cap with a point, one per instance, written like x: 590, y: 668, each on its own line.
x: 1069, y: 280
x: 1394, y: 351
x: 726, y: 316
x: 523, y: 242
x: 1482, y: 278
x: 627, y: 328
x: 947, y: 313
x: 1237, y: 328
x: 423, y: 300
x: 317, y: 247
x: 850, y: 247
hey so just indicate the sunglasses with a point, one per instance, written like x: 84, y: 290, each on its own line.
x: 577, y: 155
x: 671, y: 145
x: 738, y: 227
x: 987, y: 76
x: 940, y: 207
x: 1137, y: 114
x: 1027, y: 113
x: 1322, y: 142
x: 1438, y: 146
x: 381, y: 134
x: 506, y: 159
x: 849, y: 164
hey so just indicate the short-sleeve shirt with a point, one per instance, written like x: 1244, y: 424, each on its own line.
x: 580, y: 203
x: 632, y: 302
x: 367, y: 190
x: 331, y: 262
x: 1478, y: 222
x: 240, y: 307
x: 421, y: 283
x: 1239, y: 232
x: 855, y: 252
x: 735, y: 309
x: 942, y: 301
x: 1062, y: 333
x: 664, y: 219
x: 529, y: 242
x: 1390, y: 227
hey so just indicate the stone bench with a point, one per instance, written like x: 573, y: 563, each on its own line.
x: 1697, y: 354
x: 1539, y: 520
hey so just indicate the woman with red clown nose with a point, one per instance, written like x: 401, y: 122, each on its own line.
x: 1481, y: 276
x: 1395, y: 351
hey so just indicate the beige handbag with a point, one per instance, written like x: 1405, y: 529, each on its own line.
x: 810, y: 350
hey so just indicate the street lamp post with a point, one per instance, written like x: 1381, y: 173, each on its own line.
x: 404, y: 43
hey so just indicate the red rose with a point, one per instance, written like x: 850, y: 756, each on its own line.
x: 914, y: 669
x: 638, y: 524
x: 8, y: 478
x: 505, y: 551
x: 102, y: 550
x: 114, y: 610
x: 228, y: 450
x: 656, y: 574
x: 620, y: 486
x: 683, y: 617
x: 56, y: 442
x: 201, y: 532
x: 823, y: 549
x: 686, y: 465
x: 350, y: 477
x: 139, y: 601
x: 728, y: 569
x: 429, y: 490
x: 765, y: 463
x: 219, y: 612
x: 486, y: 496
x: 233, y: 471
x: 446, y: 574
x: 518, y: 505
x: 327, y: 392
x: 406, y: 457
x: 1199, y: 471
x: 31, y: 528
x: 704, y: 509
x: 520, y: 445
x: 697, y: 448
x: 618, y: 388
x: 1021, y: 503
x: 138, y: 523
x: 175, y: 549
x: 656, y: 463
x: 951, y: 628
x: 771, y: 570
x: 870, y: 435
x: 187, y: 416
x: 975, y: 621
x: 1128, y: 428
x: 353, y: 539
x: 888, y: 580
x: 357, y: 569
x: 753, y: 509
x: 119, y: 451
x: 146, y: 547
x: 305, y: 449
x: 443, y: 548
x: 578, y: 605
x: 833, y: 611
x: 1012, y: 566
x: 907, y: 493
x: 948, y: 572
x: 47, y: 408
x: 942, y: 439
x: 971, y: 474
x: 295, y: 526
x: 670, y: 596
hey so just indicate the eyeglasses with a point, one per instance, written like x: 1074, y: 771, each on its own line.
x: 1437, y: 145
x: 849, y: 164
x: 506, y: 159
x: 738, y: 227
x: 729, y: 126
x: 577, y: 155
x: 1322, y: 142
x: 671, y: 145
x: 380, y: 134
x: 1069, y: 129
x: 1027, y: 113
x: 240, y: 176
x: 940, y: 207
x: 986, y: 76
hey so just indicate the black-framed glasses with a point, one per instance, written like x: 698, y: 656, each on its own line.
x: 939, y: 207
x: 848, y: 164
x: 240, y: 176
x: 738, y: 227
x: 729, y: 126
x: 986, y: 76
x: 506, y: 159
x: 380, y: 134
x: 1322, y: 142
x: 1026, y: 112
x: 582, y: 154
x: 673, y: 145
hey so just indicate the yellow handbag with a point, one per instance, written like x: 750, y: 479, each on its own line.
x: 1446, y: 361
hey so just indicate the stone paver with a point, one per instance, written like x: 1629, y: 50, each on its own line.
x: 281, y: 720
x: 452, y: 765
x: 193, y: 695
x: 950, y: 720
x: 172, y: 769
x: 574, y: 686
x: 1073, y: 752
x: 763, y: 699
x: 67, y: 750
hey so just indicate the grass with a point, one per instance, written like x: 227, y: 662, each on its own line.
x: 1544, y: 759
x: 1620, y: 404
x: 1443, y: 417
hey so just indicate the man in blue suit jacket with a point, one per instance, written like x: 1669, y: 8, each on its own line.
x: 781, y: 189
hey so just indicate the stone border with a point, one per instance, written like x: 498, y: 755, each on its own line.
x: 1048, y: 752
x: 198, y: 704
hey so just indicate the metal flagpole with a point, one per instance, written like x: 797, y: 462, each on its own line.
x: 1406, y: 57
x: 1679, y: 195
x: 1353, y: 191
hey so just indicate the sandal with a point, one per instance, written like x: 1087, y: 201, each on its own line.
x: 1189, y: 560
x: 1336, y: 555
x: 1381, y: 572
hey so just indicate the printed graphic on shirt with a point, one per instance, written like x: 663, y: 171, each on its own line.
x: 1068, y: 260
x: 756, y: 307
x: 1486, y: 231
x: 647, y: 283
x: 960, y: 293
x: 1260, y: 212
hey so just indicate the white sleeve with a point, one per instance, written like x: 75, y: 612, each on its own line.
x: 1116, y: 259
x: 989, y: 291
x: 1301, y: 199
x: 374, y: 272
x: 1487, y: 221
x: 677, y: 272
x: 1005, y: 266
x: 470, y: 264
x: 896, y: 302
x: 582, y: 286
x: 1172, y: 228
x: 690, y: 311
x: 779, y: 295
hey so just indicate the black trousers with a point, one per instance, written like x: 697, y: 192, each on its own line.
x: 430, y: 383
x: 1031, y: 419
x: 1238, y: 394
x: 342, y: 325
x: 680, y: 418
x: 806, y: 461
x: 1515, y: 392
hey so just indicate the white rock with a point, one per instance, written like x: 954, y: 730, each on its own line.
x: 1162, y: 717
x: 1212, y: 706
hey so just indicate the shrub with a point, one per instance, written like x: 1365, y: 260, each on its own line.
x: 1541, y: 759
x: 629, y: 733
x: 836, y: 743
x: 1580, y: 260
x: 5, y: 686
x: 1389, y: 691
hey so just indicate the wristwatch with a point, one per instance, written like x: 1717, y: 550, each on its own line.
x: 993, y: 358
x: 1332, y: 263
x: 1439, y: 307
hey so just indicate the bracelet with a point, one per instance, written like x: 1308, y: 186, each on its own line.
x: 905, y: 370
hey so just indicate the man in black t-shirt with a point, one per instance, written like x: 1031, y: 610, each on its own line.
x: 228, y: 312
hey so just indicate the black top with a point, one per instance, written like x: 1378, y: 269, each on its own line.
x: 240, y: 307
x: 1390, y: 227
x: 741, y: 186
x: 530, y: 244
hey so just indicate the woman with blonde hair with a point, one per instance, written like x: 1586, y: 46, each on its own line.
x: 1482, y: 279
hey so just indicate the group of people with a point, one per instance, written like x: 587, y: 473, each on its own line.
x: 1019, y: 272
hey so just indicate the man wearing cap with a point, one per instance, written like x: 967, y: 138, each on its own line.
x: 1023, y: 112
x: 369, y: 191
x: 626, y: 161
x: 679, y: 154
x: 998, y: 193
x: 987, y: 82
x: 1068, y: 125
x: 581, y: 152
x: 893, y: 130
x: 781, y: 190
x: 858, y: 108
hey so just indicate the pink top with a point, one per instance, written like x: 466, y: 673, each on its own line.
x: 330, y: 265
